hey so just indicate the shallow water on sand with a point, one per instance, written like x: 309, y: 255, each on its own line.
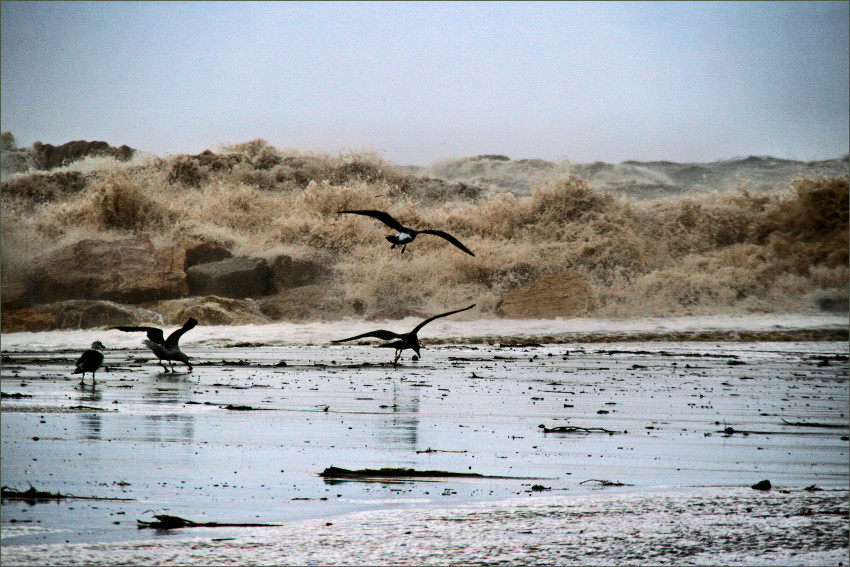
x: 170, y: 444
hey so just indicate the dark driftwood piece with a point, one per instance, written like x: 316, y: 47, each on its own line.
x: 337, y: 472
x: 168, y: 522
x: 605, y: 482
x: 340, y: 474
x: 815, y: 424
x: 576, y: 429
x: 33, y: 495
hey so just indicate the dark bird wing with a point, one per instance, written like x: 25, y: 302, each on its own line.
x: 155, y: 335
x: 174, y: 337
x: 426, y: 321
x: 448, y: 237
x: 381, y: 216
x: 380, y: 334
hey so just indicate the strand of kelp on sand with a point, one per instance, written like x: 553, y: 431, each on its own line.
x: 733, y: 250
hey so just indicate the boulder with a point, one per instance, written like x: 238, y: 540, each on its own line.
x: 210, y: 310
x: 27, y: 320
x: 288, y: 272
x: 561, y: 294
x: 48, y: 156
x: 236, y: 277
x: 204, y: 253
x: 75, y: 314
x: 305, y: 303
x: 14, y: 293
x: 125, y: 271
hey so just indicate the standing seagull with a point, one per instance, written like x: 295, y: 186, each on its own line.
x: 401, y: 342
x: 165, y: 349
x: 90, y: 361
x: 406, y: 235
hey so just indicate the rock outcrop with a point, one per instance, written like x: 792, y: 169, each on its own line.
x: 48, y: 156
x: 125, y: 271
x: 76, y: 314
x: 305, y: 303
x: 205, y: 252
x: 561, y: 294
x: 238, y: 277
x: 210, y: 310
x: 287, y: 272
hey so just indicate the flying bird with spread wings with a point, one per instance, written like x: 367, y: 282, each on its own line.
x: 405, y: 235
x: 401, y: 342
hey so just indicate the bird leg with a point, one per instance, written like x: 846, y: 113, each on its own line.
x: 171, y: 365
x: 164, y: 367
x: 397, y: 356
x: 403, y: 247
x: 83, y: 379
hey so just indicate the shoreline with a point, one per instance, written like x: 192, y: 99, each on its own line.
x: 510, y: 332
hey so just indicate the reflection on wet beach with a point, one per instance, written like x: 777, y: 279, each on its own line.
x: 245, y: 441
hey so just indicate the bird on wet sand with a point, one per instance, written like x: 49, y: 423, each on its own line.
x: 165, y: 349
x: 403, y: 341
x: 90, y: 361
x: 405, y: 235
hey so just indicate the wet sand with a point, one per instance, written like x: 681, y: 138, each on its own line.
x: 678, y: 432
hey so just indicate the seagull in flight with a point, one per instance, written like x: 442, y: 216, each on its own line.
x: 165, y: 349
x: 405, y: 235
x: 90, y: 361
x: 404, y: 341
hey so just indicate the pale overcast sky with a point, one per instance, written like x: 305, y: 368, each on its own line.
x: 420, y: 81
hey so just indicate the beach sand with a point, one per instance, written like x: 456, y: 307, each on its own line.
x: 667, y: 439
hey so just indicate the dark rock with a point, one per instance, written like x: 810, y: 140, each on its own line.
x: 309, y: 302
x: 210, y: 310
x: 762, y: 485
x: 834, y: 305
x: 14, y: 294
x: 288, y: 272
x: 125, y: 271
x: 236, y: 277
x: 48, y: 156
x: 205, y: 252
x: 75, y: 314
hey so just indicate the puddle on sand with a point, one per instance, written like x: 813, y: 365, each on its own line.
x: 168, y: 442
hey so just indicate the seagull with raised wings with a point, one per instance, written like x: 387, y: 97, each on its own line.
x: 165, y: 349
x: 403, y: 341
x: 405, y: 235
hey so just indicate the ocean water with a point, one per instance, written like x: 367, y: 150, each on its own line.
x: 752, y: 236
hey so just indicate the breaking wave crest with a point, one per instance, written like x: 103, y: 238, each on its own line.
x: 725, y: 251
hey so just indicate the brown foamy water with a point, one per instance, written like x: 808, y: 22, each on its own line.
x: 771, y: 245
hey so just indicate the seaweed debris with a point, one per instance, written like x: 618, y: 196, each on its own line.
x: 576, y: 429
x: 605, y: 482
x: 168, y: 522
x: 815, y: 424
x: 337, y: 473
x: 34, y: 495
